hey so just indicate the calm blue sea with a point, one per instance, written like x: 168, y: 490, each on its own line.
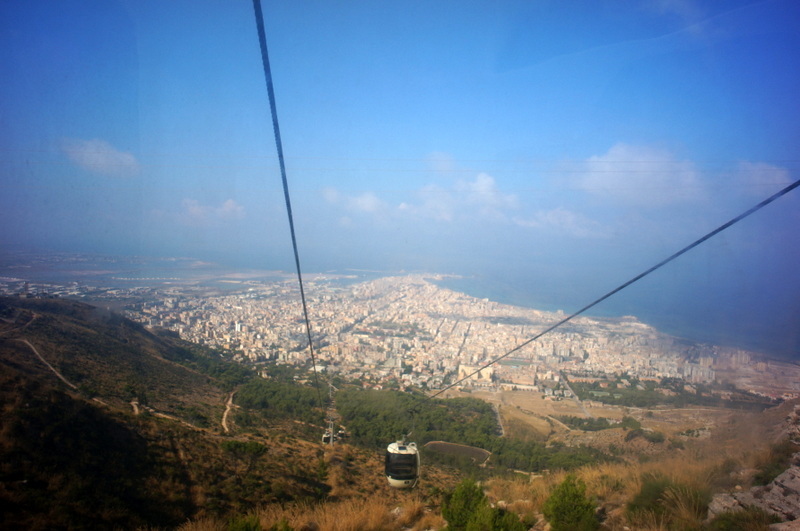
x: 695, y: 314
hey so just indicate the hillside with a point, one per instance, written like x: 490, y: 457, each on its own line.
x: 103, y: 355
x: 106, y: 424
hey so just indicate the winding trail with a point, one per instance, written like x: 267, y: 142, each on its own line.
x: 137, y: 408
x: 228, y: 406
x: 60, y: 376
x: 34, y: 316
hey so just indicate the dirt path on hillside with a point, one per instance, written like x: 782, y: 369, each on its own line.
x: 38, y: 355
x: 228, y: 406
x: 34, y: 316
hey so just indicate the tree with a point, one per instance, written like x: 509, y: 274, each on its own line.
x: 488, y: 518
x: 569, y: 509
x: 459, y: 507
x: 467, y: 509
x: 244, y: 454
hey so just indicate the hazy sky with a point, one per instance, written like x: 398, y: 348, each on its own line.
x: 554, y: 149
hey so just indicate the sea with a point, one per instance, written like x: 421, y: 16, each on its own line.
x: 713, y: 317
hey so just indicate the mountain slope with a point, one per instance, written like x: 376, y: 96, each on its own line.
x: 75, y: 453
x: 103, y: 355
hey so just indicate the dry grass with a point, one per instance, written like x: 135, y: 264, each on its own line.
x: 525, y: 425
x: 522, y: 496
x: 430, y: 521
x: 411, y: 511
x: 704, y: 466
x: 350, y: 515
x: 613, y: 485
x: 204, y: 524
x: 371, y: 514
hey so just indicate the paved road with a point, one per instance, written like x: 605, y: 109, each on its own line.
x: 575, y: 397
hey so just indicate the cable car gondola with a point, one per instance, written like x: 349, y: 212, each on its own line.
x: 402, y: 465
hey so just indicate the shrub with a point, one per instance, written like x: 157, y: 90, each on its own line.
x: 244, y: 523
x: 750, y: 519
x: 468, y: 509
x: 569, y: 509
x: 488, y: 518
x: 630, y: 423
x: 282, y: 525
x: 654, y: 436
x: 650, y: 496
x: 778, y: 460
x: 459, y: 506
x: 631, y: 435
x: 674, y: 505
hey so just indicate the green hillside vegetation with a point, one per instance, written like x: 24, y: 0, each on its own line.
x: 81, y: 457
x: 669, y: 391
x: 132, y: 437
x: 108, y: 356
x: 375, y: 417
x: 276, y: 399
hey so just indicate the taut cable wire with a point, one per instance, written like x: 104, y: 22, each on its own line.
x: 638, y: 277
x: 262, y: 39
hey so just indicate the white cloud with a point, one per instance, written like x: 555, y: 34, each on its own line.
x: 479, y: 198
x: 366, y: 202
x: 639, y: 175
x: 563, y: 221
x: 230, y: 209
x: 483, y: 193
x: 194, y: 213
x: 475, y: 199
x: 760, y: 178
x: 100, y: 157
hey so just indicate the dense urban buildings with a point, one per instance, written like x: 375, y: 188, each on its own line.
x: 410, y: 331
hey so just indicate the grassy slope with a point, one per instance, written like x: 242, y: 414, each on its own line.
x: 66, y: 460
x: 80, y: 457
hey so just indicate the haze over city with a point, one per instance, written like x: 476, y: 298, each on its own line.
x: 546, y: 151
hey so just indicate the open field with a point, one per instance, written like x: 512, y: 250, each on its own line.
x: 529, y: 416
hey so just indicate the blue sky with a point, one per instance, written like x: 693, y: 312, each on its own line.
x: 552, y: 149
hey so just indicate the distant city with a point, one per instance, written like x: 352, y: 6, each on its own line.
x: 403, y: 330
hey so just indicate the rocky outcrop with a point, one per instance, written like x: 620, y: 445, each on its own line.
x: 792, y: 424
x: 780, y: 497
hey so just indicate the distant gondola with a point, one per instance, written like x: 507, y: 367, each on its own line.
x: 402, y: 465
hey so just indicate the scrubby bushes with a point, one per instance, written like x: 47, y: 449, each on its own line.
x: 467, y: 509
x: 663, y: 501
x: 650, y: 436
x: 278, y: 399
x: 569, y: 509
x: 375, y: 418
x: 750, y: 519
x: 776, y: 462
